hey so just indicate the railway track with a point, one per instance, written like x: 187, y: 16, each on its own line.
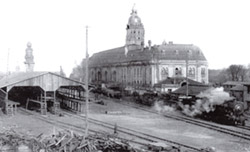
x: 239, y: 134
x: 131, y: 132
x: 145, y: 137
x: 244, y: 127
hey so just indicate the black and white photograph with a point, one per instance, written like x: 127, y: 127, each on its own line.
x: 124, y: 76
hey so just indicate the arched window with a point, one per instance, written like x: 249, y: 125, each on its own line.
x: 114, y: 76
x: 203, y: 72
x: 99, y: 76
x: 106, y: 76
x: 191, y: 71
x: 164, y: 73
x: 93, y: 76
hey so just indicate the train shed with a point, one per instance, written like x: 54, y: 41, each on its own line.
x: 46, y: 90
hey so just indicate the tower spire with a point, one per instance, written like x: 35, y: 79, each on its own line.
x: 133, y: 9
x: 29, y: 59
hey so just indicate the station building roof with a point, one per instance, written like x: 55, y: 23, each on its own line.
x: 234, y: 83
x: 238, y: 87
x: 193, y: 90
x: 161, y: 52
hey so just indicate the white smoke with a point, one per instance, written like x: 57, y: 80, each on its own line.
x: 161, y: 108
x: 206, y: 103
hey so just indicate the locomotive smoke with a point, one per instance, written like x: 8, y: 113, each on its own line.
x: 161, y: 108
x: 208, y: 99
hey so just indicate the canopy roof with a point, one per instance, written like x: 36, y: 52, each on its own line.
x: 46, y: 80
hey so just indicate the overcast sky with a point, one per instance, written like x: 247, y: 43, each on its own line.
x: 56, y: 29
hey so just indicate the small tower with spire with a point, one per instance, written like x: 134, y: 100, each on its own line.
x: 29, y: 59
x: 135, y: 31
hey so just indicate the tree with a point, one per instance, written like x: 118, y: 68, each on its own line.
x: 237, y: 72
x: 78, y: 72
x: 62, y: 72
x: 218, y: 77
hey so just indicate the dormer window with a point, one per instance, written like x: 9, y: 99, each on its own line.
x: 189, y: 52
x: 127, y: 27
x: 199, y: 52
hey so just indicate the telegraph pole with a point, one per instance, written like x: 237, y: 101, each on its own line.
x: 187, y: 73
x: 87, y: 86
x: 7, y: 72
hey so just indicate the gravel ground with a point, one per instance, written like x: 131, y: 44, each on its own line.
x: 168, y: 128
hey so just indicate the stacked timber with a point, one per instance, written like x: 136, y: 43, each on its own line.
x: 64, y: 141
x: 67, y: 141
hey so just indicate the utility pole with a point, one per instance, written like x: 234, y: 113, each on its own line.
x: 7, y: 72
x: 187, y: 73
x: 86, y: 86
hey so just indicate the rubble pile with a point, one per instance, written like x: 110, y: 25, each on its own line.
x: 64, y: 141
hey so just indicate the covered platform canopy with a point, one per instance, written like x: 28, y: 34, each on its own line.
x: 39, y: 86
x: 48, y: 81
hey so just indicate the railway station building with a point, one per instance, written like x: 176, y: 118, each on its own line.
x: 136, y: 66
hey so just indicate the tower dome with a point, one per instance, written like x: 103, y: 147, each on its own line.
x: 134, y: 19
x: 135, y: 31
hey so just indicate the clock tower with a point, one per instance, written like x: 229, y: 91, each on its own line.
x: 135, y: 32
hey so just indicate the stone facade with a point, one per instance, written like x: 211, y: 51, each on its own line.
x: 139, y: 67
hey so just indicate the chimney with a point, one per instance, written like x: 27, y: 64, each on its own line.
x: 170, y: 42
x: 149, y: 44
x: 142, y: 45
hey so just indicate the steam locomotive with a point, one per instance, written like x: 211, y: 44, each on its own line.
x: 231, y: 112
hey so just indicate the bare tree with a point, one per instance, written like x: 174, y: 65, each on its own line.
x: 237, y: 72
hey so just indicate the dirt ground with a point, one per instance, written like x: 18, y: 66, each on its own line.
x: 122, y: 115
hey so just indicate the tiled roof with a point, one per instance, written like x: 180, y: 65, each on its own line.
x: 162, y: 52
x: 232, y: 83
x: 238, y: 87
x: 236, y: 83
x: 192, y: 90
